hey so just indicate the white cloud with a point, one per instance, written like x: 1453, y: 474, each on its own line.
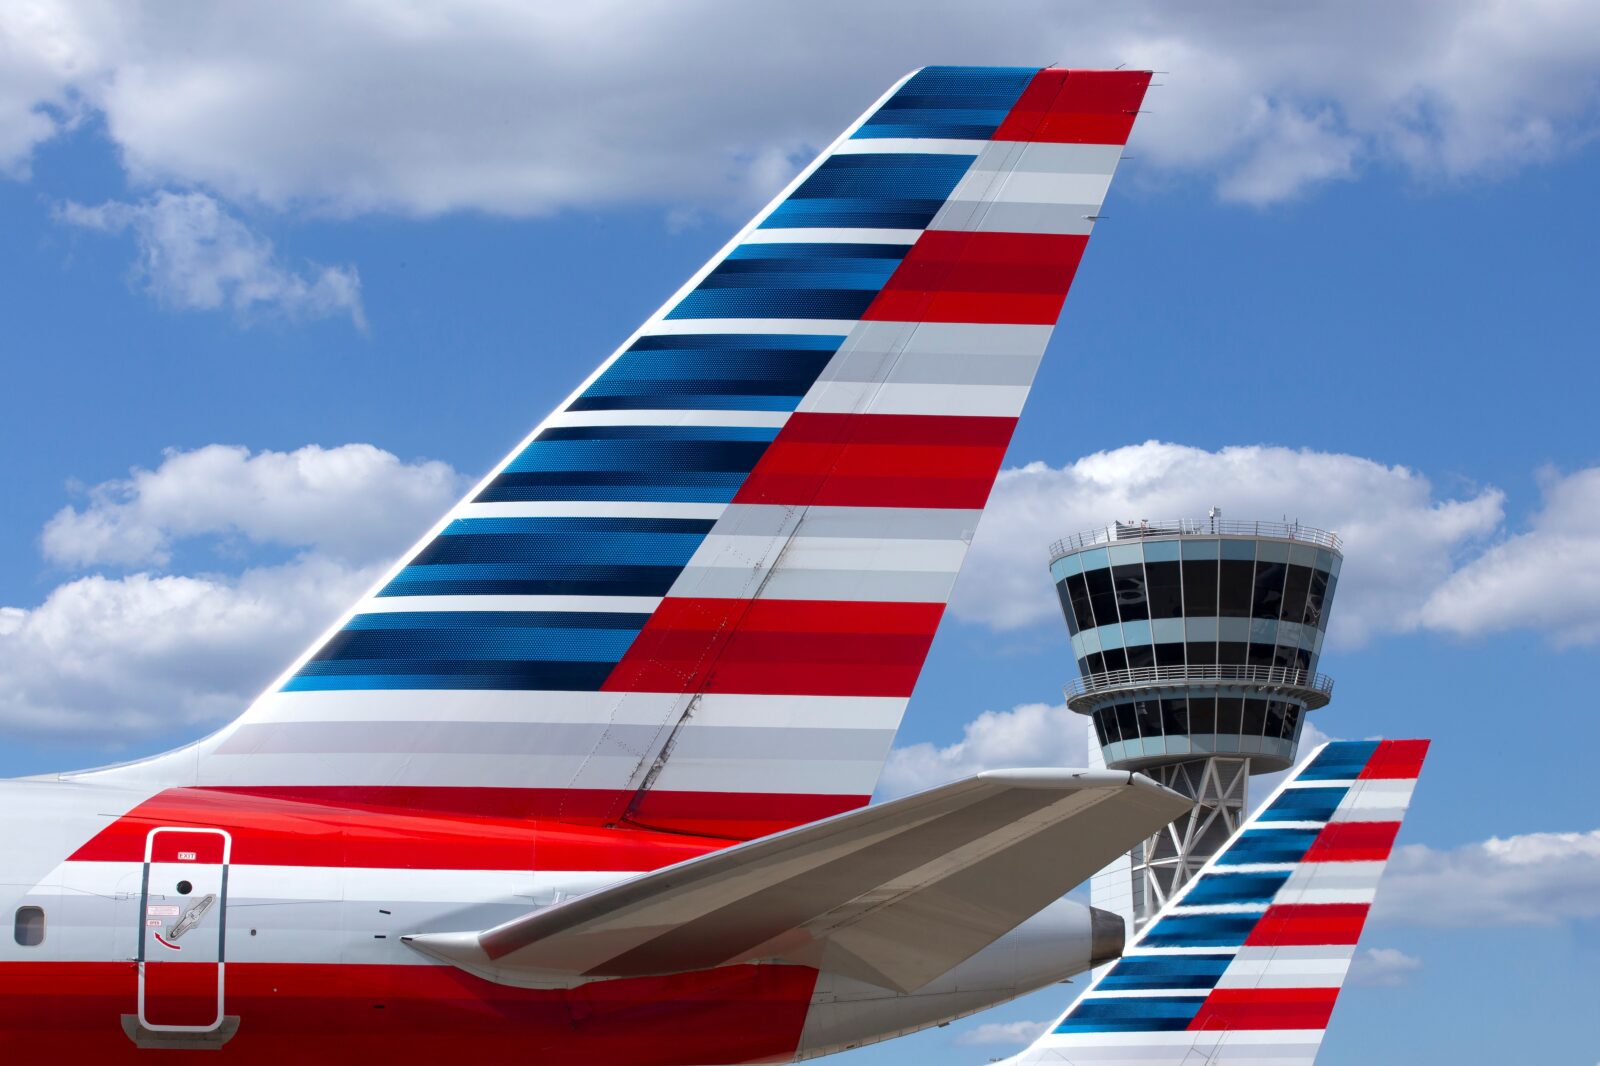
x: 1383, y: 968
x: 1529, y: 879
x: 1546, y: 578
x: 522, y: 109
x: 1017, y: 1034
x: 1030, y: 734
x: 193, y: 255
x: 149, y: 652
x: 117, y: 659
x: 1400, y: 538
x: 355, y: 502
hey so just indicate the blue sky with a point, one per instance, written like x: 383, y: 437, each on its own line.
x: 1366, y: 306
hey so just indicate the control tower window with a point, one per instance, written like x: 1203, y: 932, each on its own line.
x: 28, y: 929
x: 1238, y: 575
x: 1129, y: 581
x: 1296, y: 584
x: 1315, y: 596
x: 1066, y: 607
x: 1078, y: 596
x: 1102, y: 597
x: 1268, y: 600
x: 1165, y: 590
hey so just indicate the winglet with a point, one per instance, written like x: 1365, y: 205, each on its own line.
x: 1245, y: 963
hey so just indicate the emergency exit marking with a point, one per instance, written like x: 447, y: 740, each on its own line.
x: 186, y: 856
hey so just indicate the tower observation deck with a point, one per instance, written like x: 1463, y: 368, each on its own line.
x: 1197, y: 643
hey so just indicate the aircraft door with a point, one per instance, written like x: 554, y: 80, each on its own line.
x: 181, y: 943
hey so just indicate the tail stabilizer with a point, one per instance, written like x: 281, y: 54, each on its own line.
x: 1245, y: 963
x: 894, y: 895
x: 698, y: 596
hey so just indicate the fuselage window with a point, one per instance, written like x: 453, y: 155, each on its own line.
x: 29, y: 927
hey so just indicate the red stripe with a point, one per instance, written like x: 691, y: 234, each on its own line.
x: 271, y: 829
x: 1266, y: 1008
x: 848, y: 460
x: 1076, y: 107
x: 779, y: 647
x: 1353, y: 842
x: 1291, y: 924
x: 981, y: 277
x: 1396, y: 760
x: 180, y: 992
x: 408, y: 1015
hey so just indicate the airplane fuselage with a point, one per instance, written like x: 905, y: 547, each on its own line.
x: 269, y: 929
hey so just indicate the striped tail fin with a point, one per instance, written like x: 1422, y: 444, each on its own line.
x: 1244, y: 965
x: 697, y: 597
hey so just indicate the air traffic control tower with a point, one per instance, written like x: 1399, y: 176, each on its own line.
x: 1197, y: 645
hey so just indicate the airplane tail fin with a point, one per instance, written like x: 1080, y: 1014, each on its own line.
x: 1244, y: 964
x: 698, y: 595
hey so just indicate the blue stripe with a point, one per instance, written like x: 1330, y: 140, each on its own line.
x: 711, y: 372
x: 520, y: 650
x: 1142, y: 973
x: 1340, y: 761
x: 1217, y: 888
x: 668, y: 463
x: 1304, y: 805
x: 512, y: 579
x: 1199, y: 930
x: 809, y: 281
x: 1140, y: 1015
x: 511, y: 677
x: 580, y: 556
x: 961, y: 102
x: 1267, y: 845
x: 891, y: 191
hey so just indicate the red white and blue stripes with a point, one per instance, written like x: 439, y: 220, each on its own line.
x: 718, y: 568
x: 1245, y: 964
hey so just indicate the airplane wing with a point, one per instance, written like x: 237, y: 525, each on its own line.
x: 858, y: 894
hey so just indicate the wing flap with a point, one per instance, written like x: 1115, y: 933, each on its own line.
x: 895, y: 894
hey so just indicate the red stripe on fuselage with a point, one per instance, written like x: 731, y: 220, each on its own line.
x: 1076, y: 107
x: 1266, y: 1008
x: 1294, y: 924
x: 957, y: 276
x: 420, y: 1016
x: 274, y: 830
x: 779, y: 647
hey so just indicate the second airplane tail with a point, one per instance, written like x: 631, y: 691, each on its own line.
x: 1245, y: 963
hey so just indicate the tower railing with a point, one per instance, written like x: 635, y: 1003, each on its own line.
x: 1188, y: 527
x: 1315, y: 689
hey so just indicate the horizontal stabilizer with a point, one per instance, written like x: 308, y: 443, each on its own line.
x: 894, y: 894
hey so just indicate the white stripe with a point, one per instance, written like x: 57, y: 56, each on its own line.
x: 833, y: 235
x: 832, y: 553
x: 595, y: 604
x: 922, y: 145
x: 630, y: 708
x: 641, y: 417
x: 590, y: 509
x: 1145, y: 993
x: 852, y: 397
x: 817, y: 777
x: 1022, y: 187
x: 810, y: 327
